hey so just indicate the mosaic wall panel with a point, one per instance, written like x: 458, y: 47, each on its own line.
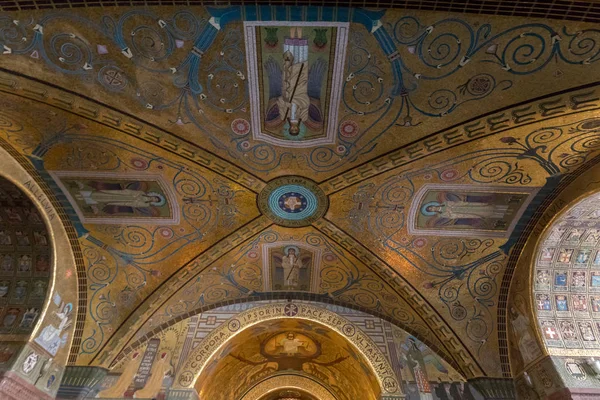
x: 396, y: 80
x: 384, y: 118
x: 424, y: 375
x: 149, y: 372
x: 24, y: 261
x: 567, y: 280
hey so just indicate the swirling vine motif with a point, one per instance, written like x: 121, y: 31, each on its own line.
x: 448, y: 265
x: 242, y: 275
x: 135, y: 248
x: 381, y: 84
x: 381, y: 209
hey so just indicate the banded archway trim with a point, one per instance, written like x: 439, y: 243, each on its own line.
x: 275, y: 296
x: 520, y: 274
x: 288, y: 381
x: 197, y: 360
x: 66, y: 261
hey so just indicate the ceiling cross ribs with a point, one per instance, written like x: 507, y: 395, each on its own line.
x: 544, y: 108
x: 11, y: 82
x: 454, y: 346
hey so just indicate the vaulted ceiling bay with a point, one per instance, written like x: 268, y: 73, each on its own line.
x: 287, y: 202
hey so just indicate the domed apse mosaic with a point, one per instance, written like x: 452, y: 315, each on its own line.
x: 293, y: 201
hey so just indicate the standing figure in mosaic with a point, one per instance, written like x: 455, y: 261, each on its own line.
x: 523, y: 335
x: 113, y: 198
x: 52, y: 337
x: 416, y: 364
x: 291, y: 268
x: 295, y: 87
x: 160, y: 370
x: 119, y: 388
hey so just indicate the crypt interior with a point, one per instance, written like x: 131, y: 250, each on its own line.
x: 362, y: 200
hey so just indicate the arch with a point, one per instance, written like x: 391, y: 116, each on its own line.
x: 288, y: 381
x: 63, y: 286
x: 566, y: 279
x: 284, y: 296
x: 521, y: 272
x: 197, y: 360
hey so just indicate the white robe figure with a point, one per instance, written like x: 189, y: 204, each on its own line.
x: 50, y: 338
x: 291, y: 269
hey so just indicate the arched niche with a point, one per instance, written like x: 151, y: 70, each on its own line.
x: 25, y: 270
x: 566, y: 280
x: 277, y: 319
x: 292, y: 348
x: 35, y: 359
x: 288, y: 387
x: 417, y: 368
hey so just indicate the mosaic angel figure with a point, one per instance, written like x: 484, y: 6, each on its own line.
x: 293, y: 264
x: 295, y: 87
x: 53, y: 337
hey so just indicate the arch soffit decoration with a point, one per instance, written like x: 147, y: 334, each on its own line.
x: 288, y: 381
x: 64, y: 278
x: 197, y: 360
x: 523, y: 279
x: 566, y: 201
x: 561, y: 219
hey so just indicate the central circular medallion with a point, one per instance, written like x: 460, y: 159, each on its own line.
x: 293, y: 201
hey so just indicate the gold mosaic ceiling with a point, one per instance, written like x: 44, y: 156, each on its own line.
x: 388, y: 160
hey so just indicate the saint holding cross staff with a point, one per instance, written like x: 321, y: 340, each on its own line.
x: 295, y: 89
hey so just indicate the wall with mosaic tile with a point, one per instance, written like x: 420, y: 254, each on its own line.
x: 560, y: 377
x: 423, y: 374
x: 24, y: 261
x: 567, y: 280
x: 400, y: 179
x: 32, y: 365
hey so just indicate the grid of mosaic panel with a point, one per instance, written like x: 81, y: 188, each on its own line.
x: 24, y: 261
x: 567, y: 279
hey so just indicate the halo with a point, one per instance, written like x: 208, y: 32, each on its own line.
x: 69, y: 306
x: 300, y: 135
x: 424, y: 208
x: 286, y: 248
x: 160, y: 203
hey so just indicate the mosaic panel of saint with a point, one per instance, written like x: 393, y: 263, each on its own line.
x: 458, y: 210
x: 114, y: 198
x: 291, y: 268
x: 295, y: 63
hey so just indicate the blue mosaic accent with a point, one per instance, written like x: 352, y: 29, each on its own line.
x: 292, y: 201
x: 281, y: 197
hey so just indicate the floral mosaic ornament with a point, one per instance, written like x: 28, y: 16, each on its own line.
x: 389, y: 71
x: 293, y: 201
